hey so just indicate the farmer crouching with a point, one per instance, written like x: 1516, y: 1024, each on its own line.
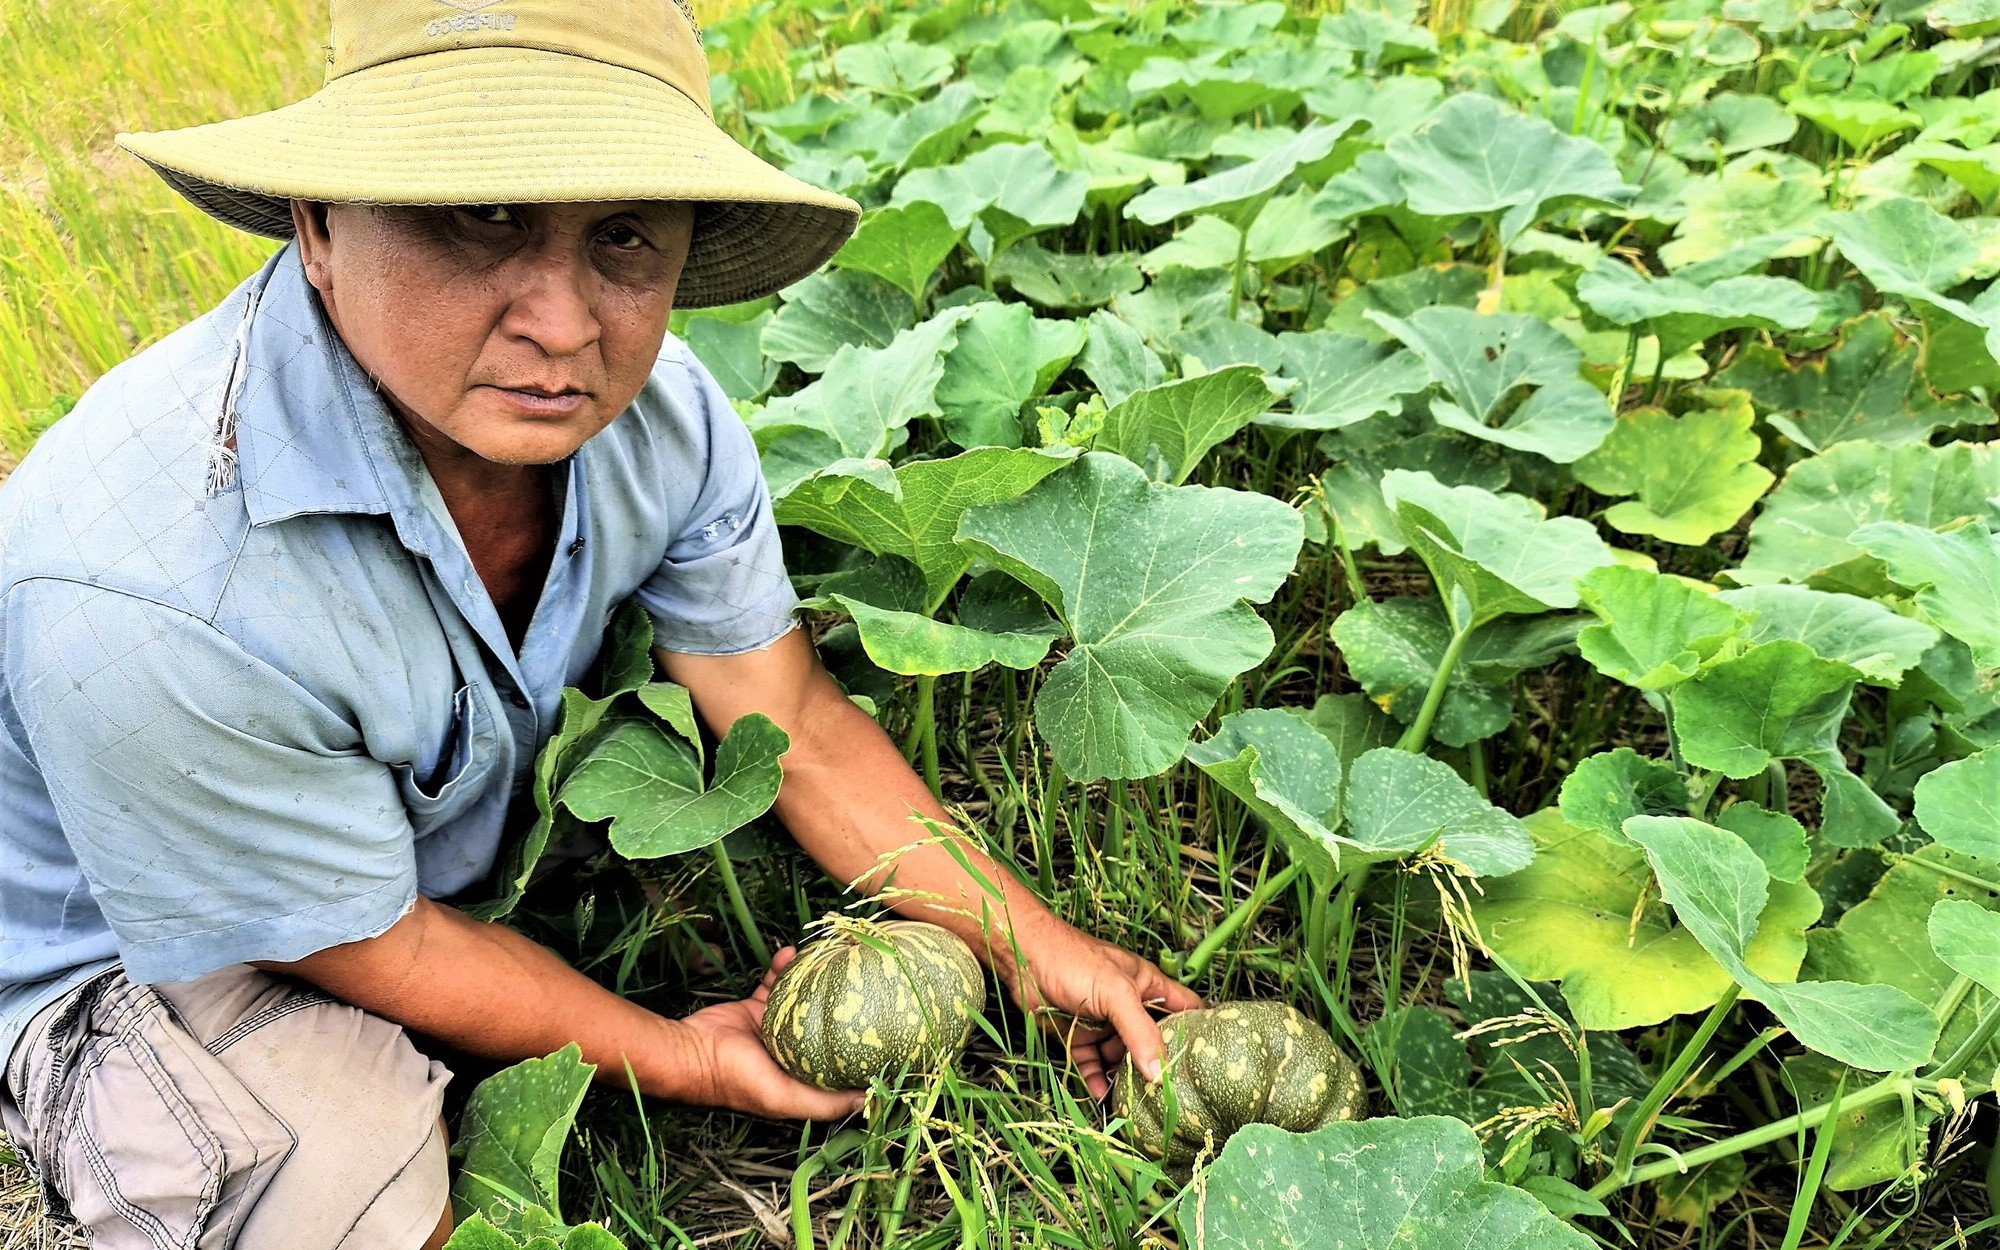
x: 287, y: 604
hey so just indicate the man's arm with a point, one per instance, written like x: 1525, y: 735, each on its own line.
x: 492, y: 992
x: 853, y: 803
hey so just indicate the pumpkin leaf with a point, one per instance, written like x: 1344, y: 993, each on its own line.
x: 1966, y: 937
x: 1867, y: 387
x: 1748, y: 212
x: 859, y: 406
x: 913, y: 511
x: 1475, y: 156
x: 1491, y: 554
x: 1285, y: 771
x: 1481, y: 361
x: 1802, y: 534
x: 1718, y: 888
x: 649, y: 786
x: 1605, y: 790
x: 1694, y: 475
x: 511, y: 1136
x: 1366, y: 1185
x: 1116, y: 359
x: 1399, y: 802
x: 1180, y: 422
x: 1586, y: 913
x: 1777, y: 838
x: 1233, y: 188
x: 1955, y: 574
x: 1015, y: 188
x: 1394, y: 649
x: 834, y: 309
x: 1343, y: 380
x: 999, y: 622
x: 1862, y: 633
x: 903, y: 245
x: 1653, y: 631
x: 1153, y: 584
x: 1860, y: 123
x: 1681, y: 314
x: 1958, y: 804
x: 1775, y: 701
x: 1728, y: 123
x: 733, y: 354
x: 1004, y: 358
x: 1062, y: 280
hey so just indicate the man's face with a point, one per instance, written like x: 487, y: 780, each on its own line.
x: 509, y: 333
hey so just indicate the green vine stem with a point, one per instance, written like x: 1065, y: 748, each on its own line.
x: 759, y: 949
x: 1621, y: 1173
x: 921, y: 744
x: 1199, y: 958
x: 837, y: 1147
x: 1418, y: 735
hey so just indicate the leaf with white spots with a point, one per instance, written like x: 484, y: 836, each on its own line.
x: 1383, y: 1184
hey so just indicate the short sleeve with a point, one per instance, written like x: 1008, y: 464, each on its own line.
x: 722, y: 587
x: 219, y: 812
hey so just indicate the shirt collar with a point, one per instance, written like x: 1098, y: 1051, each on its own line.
x: 313, y: 435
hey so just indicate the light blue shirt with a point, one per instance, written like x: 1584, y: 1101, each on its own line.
x: 251, y: 714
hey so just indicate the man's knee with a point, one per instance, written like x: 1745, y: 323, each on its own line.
x: 250, y: 1112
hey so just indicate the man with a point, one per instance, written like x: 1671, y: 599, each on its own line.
x: 286, y: 606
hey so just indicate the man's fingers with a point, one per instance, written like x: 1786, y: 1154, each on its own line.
x: 779, y: 962
x: 1135, y: 1028
x: 1157, y: 987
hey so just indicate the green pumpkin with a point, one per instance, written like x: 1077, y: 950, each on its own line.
x: 1231, y: 1065
x: 873, y: 1000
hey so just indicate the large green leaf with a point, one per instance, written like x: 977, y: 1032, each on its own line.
x: 1369, y: 1185
x: 1016, y: 189
x: 1681, y: 313
x: 1005, y: 357
x: 1956, y: 577
x: 1064, y: 280
x: 648, y: 784
x: 1116, y: 359
x: 1746, y: 211
x: 1653, y: 631
x: 733, y: 353
x: 1151, y: 582
x: 860, y: 405
x: 902, y: 245
x: 1232, y: 188
x: 1586, y: 913
x: 1907, y: 248
x: 1966, y: 937
x: 1694, y: 475
x: 1605, y: 790
x: 1867, y: 387
x: 999, y: 621
x: 1476, y: 156
x: 1959, y: 804
x: 1778, y: 700
x: 1394, y: 649
x: 1492, y: 554
x: 1481, y: 361
x: 1343, y: 379
x: 1399, y: 802
x: 1181, y: 421
x: 511, y: 1137
x: 1288, y: 773
x: 894, y: 66
x: 1718, y: 888
x: 1727, y: 123
x: 913, y: 511
x: 1802, y: 533
x: 1859, y: 122
x: 1863, y: 633
x: 835, y: 309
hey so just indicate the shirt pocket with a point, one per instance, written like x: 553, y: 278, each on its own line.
x: 465, y: 761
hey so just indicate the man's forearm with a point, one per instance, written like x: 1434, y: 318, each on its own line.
x: 853, y: 803
x: 491, y: 992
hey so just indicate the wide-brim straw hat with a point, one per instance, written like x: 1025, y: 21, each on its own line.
x: 444, y: 102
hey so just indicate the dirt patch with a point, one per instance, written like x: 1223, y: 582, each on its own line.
x: 21, y: 1224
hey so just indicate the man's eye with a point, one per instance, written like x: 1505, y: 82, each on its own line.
x: 490, y: 214
x: 624, y: 238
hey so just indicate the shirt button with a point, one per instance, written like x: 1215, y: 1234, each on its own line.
x: 518, y: 699
x: 576, y: 548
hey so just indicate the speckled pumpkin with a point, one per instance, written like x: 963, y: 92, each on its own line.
x: 1235, y: 1064
x: 871, y: 1000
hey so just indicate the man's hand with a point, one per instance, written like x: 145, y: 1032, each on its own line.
x: 1094, y: 996
x: 742, y: 1076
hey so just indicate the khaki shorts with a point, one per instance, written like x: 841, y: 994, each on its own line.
x: 242, y: 1111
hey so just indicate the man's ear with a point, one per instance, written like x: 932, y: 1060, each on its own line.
x: 309, y: 223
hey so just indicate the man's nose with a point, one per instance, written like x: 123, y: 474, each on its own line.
x: 555, y: 306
